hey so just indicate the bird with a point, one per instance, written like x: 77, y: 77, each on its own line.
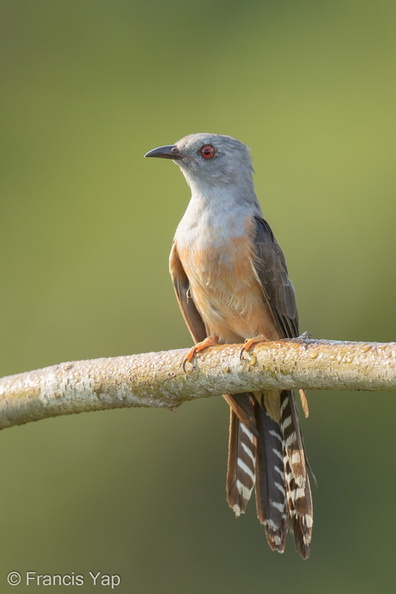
x: 232, y: 286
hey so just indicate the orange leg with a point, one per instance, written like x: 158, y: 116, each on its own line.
x: 249, y: 342
x: 200, y: 346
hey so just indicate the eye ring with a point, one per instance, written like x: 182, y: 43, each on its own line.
x: 207, y: 151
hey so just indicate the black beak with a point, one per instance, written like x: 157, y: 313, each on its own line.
x: 165, y: 152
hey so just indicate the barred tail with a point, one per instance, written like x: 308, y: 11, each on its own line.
x: 241, y: 465
x: 267, y: 452
x: 299, y: 498
x: 271, y: 501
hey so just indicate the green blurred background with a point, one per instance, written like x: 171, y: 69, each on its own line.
x: 85, y: 230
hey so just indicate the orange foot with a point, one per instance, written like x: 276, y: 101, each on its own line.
x: 200, y: 346
x: 249, y: 342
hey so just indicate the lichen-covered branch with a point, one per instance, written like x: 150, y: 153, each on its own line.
x: 158, y: 379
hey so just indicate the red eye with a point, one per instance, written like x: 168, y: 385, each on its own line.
x: 208, y: 151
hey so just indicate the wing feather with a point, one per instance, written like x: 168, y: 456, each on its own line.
x: 181, y: 285
x: 271, y: 270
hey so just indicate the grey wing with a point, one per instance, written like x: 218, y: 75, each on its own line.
x: 271, y: 269
x: 181, y: 285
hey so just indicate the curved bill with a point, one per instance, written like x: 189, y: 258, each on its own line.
x: 169, y: 151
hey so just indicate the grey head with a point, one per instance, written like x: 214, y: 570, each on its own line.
x: 210, y: 161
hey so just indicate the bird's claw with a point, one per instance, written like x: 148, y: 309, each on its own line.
x: 198, y: 348
x: 249, y: 342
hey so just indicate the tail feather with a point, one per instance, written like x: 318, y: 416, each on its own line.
x: 299, y: 497
x: 241, y: 465
x: 270, y: 481
x: 269, y: 455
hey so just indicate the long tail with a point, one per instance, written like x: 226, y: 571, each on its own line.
x: 299, y: 497
x: 269, y: 454
x: 271, y: 498
x: 241, y: 468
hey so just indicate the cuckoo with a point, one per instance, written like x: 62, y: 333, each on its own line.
x: 232, y: 285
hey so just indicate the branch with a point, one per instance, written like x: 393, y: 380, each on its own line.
x: 158, y: 379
